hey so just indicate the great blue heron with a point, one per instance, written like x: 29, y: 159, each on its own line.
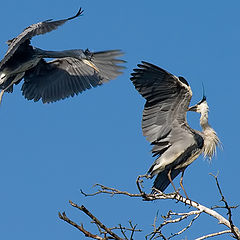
x: 164, y: 123
x: 69, y: 73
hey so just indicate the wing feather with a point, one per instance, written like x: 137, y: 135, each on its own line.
x: 65, y: 77
x: 33, y: 30
x: 167, y: 102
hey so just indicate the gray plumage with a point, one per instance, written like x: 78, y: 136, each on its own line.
x: 70, y: 72
x: 164, y: 123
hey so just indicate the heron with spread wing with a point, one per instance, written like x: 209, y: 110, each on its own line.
x: 164, y: 124
x: 69, y: 73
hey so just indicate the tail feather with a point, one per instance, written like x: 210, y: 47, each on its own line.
x: 161, y: 182
x: 107, y: 64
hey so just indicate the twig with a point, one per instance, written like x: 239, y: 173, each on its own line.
x: 110, y: 191
x: 176, y: 220
x: 133, y: 229
x: 122, y: 231
x: 187, y: 227
x: 213, y: 234
x: 233, y: 228
x: 232, y: 207
x: 86, y: 233
x: 139, y: 182
x: 126, y: 228
x: 83, y: 209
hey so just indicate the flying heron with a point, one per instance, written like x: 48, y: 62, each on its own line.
x: 69, y: 73
x: 164, y: 124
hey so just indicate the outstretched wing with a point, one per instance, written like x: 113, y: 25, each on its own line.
x: 65, y: 77
x: 33, y: 30
x: 167, y: 98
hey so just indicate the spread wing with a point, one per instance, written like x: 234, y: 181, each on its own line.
x: 168, y: 98
x: 65, y: 77
x: 33, y: 30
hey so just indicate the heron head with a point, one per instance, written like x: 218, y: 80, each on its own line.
x: 201, y: 107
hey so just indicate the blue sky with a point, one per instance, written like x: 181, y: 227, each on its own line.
x: 49, y: 152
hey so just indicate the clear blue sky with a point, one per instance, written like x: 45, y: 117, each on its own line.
x: 49, y: 152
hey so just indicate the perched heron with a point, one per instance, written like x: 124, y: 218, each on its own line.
x: 164, y: 124
x: 69, y: 73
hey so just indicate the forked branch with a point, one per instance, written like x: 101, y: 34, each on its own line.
x: 103, y: 230
x: 170, y: 218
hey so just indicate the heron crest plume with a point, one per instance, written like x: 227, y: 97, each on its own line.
x: 210, y: 143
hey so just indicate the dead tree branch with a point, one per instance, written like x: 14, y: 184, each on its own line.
x: 179, y: 198
x: 213, y: 234
x: 234, y: 230
x: 171, y: 217
x: 96, y: 221
x: 86, y: 233
x: 103, y: 230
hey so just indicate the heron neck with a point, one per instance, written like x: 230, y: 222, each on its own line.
x: 211, y: 139
x: 204, y: 121
x: 60, y: 54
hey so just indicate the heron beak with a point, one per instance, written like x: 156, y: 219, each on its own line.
x: 1, y: 95
x: 193, y: 108
x: 91, y: 65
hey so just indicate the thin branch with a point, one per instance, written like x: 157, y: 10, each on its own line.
x: 110, y: 191
x: 122, y: 231
x: 187, y: 227
x: 133, y: 229
x: 155, y: 229
x: 81, y: 228
x: 213, y: 234
x: 176, y: 220
x: 233, y: 228
x: 224, y: 207
x: 126, y: 229
x: 83, y: 209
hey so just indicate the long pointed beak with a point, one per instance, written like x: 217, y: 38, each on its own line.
x: 90, y: 64
x: 193, y: 108
x: 1, y: 95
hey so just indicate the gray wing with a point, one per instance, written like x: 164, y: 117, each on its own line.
x: 65, y: 77
x: 33, y: 30
x: 168, y: 98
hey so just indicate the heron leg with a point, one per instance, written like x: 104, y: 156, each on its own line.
x: 181, y: 184
x: 170, y: 179
x: 1, y: 95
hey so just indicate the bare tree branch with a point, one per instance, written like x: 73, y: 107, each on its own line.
x: 99, y: 223
x: 170, y: 218
x: 213, y: 234
x: 86, y: 233
x: 110, y: 191
x: 103, y: 230
x: 234, y: 230
x: 177, y: 196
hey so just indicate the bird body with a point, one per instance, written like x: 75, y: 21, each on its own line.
x: 164, y: 123
x: 69, y: 73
